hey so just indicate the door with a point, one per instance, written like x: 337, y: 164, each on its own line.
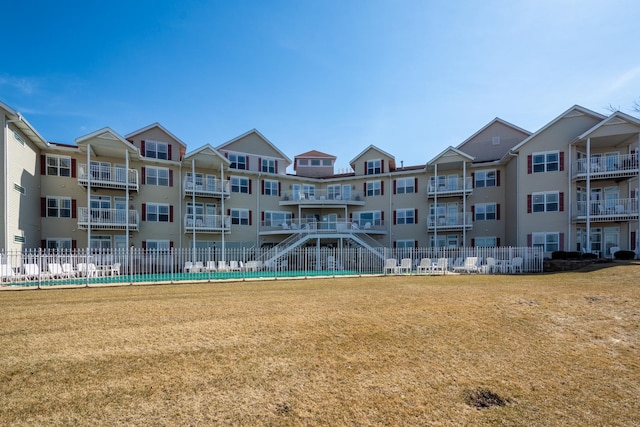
x: 611, y: 240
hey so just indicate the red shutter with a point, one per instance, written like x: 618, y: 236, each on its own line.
x: 262, y: 187
x: 382, y: 215
x: 171, y: 243
x: 528, y: 203
x: 394, y: 217
x: 529, y: 164
x: 561, y: 246
x: 74, y: 208
x: 498, y: 211
x: 279, y: 188
x: 73, y: 168
x: 144, y: 211
x: 394, y: 186
x: 633, y: 241
x: 561, y: 201
x: 415, y: 216
x: 144, y: 244
x: 382, y: 166
x: 228, y: 212
x: 473, y: 212
x: 498, y: 242
x: 226, y: 155
x: 529, y: 240
x: 394, y: 244
x: 250, y: 217
x: 43, y: 164
x: 497, y: 178
x: 142, y: 149
x: 169, y: 152
x: 561, y: 161
x: 382, y: 188
x: 170, y: 213
x: 143, y: 174
x: 43, y: 244
x: 276, y: 163
x: 473, y: 242
x: 365, y: 167
x: 415, y: 189
x: 364, y: 189
x: 473, y: 179
x: 250, y: 181
x: 170, y: 178
x: 74, y: 244
x: 262, y: 217
x: 43, y: 207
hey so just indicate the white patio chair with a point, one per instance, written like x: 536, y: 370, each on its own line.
x: 391, y: 266
x: 367, y: 225
x: 55, y: 270
x: 405, y: 266
x: 223, y: 266
x: 234, y: 266
x: 188, y: 266
x: 489, y: 267
x: 198, y: 266
x: 32, y: 271
x: 424, y: 266
x: 114, y: 270
x: 68, y: 269
x: 515, y: 265
x: 211, y: 266
x: 440, y: 267
x: 355, y: 226
x: 7, y: 274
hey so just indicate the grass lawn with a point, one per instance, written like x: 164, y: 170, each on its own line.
x: 556, y: 349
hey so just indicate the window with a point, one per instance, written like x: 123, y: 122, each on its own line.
x: 550, y: 242
x: 156, y: 245
x: 239, y: 185
x: 405, y: 185
x: 58, y: 166
x: 238, y: 161
x: 19, y: 188
x: 268, y: 165
x: 191, y: 184
x: 157, y: 176
x: 546, y: 162
x: 374, y: 188
x: 333, y: 192
x: 485, y: 211
x: 448, y: 241
x: 545, y: 202
x: 303, y: 162
x: 405, y: 216
x: 373, y: 167
x: 240, y: 217
x: 276, y: 219
x: 58, y: 207
x: 100, y: 242
x: 486, y: 242
x: 405, y: 244
x: 158, y: 212
x: 371, y: 218
x: 157, y: 150
x: 57, y: 244
x: 485, y: 179
x: 270, y: 187
x: 327, y: 162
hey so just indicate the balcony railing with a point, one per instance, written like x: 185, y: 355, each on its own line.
x: 108, y: 219
x: 450, y: 187
x: 207, y: 223
x: 327, y: 227
x: 607, y: 210
x: 322, y: 197
x: 208, y: 188
x: 622, y: 165
x: 450, y: 222
x: 108, y: 177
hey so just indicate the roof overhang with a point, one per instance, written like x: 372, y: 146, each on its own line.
x: 205, y: 157
x: 106, y: 143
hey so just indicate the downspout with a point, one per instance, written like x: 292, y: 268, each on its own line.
x: 5, y: 190
x: 569, y: 201
x: 89, y: 197
x: 193, y: 203
x: 126, y: 206
x: 464, y: 204
x: 435, y: 206
x: 180, y: 196
x: 588, y: 208
x: 259, y: 191
x: 222, y: 213
x: 390, y: 210
x: 517, y: 191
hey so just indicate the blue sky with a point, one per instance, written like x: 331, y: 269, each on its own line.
x: 411, y: 77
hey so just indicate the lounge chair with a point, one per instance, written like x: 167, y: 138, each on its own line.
x: 405, y: 266
x: 440, y: 267
x: 424, y: 266
x: 234, y: 266
x: 7, y: 274
x: 391, y: 266
x: 223, y: 266
x: 211, y: 266
x: 32, y: 271
x: 470, y: 265
x: 188, y: 267
x: 68, y: 269
x: 489, y: 267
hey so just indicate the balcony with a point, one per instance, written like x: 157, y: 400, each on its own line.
x: 207, y: 223
x: 329, y: 227
x: 212, y: 188
x: 451, y: 188
x: 322, y: 198
x: 116, y: 177
x: 456, y: 221
x: 607, y: 167
x: 108, y: 219
x: 607, y: 210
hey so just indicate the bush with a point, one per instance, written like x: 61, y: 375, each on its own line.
x: 624, y: 255
x: 574, y: 255
x: 558, y: 255
x: 589, y: 256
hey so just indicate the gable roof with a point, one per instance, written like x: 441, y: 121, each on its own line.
x: 453, y: 153
x: 316, y: 154
x: 24, y: 126
x: 159, y: 126
x: 614, y: 119
x: 261, y: 136
x: 109, y: 136
x: 374, y: 148
x: 205, y: 157
x: 488, y: 125
x: 568, y: 113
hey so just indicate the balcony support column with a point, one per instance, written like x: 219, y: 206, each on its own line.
x: 464, y: 204
x: 193, y: 203
x: 89, y: 197
x: 588, y: 228
x: 126, y: 163
x: 222, y: 216
x: 435, y: 207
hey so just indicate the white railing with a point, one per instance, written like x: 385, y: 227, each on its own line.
x: 339, y: 226
x: 107, y: 176
x: 108, y: 218
x: 207, y: 187
x: 323, y: 196
x: 83, y: 267
x: 607, y: 165
x: 207, y: 223
x: 608, y: 208
x: 450, y: 221
x: 450, y: 185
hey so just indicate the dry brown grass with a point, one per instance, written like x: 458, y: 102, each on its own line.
x: 557, y: 349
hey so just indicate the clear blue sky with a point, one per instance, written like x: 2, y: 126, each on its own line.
x: 411, y: 77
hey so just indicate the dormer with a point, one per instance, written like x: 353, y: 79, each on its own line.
x: 373, y: 161
x: 157, y: 143
x: 314, y: 164
x: 251, y: 151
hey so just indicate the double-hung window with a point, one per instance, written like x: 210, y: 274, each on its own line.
x: 485, y: 179
x: 374, y: 167
x: 239, y: 184
x: 405, y: 185
x: 58, y: 207
x: 270, y: 187
x: 545, y: 202
x: 546, y: 162
x: 238, y: 161
x: 157, y: 212
x: 405, y: 216
x: 240, y: 216
x: 485, y: 211
x: 157, y: 150
x: 157, y: 176
x: 374, y: 188
x: 276, y: 219
x: 58, y: 166
x: 550, y: 242
x: 268, y: 165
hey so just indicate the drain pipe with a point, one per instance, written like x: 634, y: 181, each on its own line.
x: 511, y: 153
x: 6, y: 179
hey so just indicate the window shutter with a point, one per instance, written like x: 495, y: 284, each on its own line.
x: 169, y: 152
x: 633, y: 194
x: 73, y: 168
x: 498, y: 178
x: 142, y: 149
x: 228, y: 212
x: 561, y: 243
x: 262, y: 216
x: 276, y: 163
x: 561, y: 201
x: 415, y: 187
x: 279, y: 188
x: 529, y: 164
x: 143, y: 175
x: 248, y: 168
x: 260, y: 164
x: 144, y: 212
x: 473, y: 242
x: 498, y: 211
x: 350, y: 216
x: 561, y: 161
x: 250, y: 217
x: 415, y: 215
x: 382, y: 188
x: 43, y: 164
x: 528, y: 203
x: 382, y: 215
x: 144, y: 244
x: 250, y: 182
x: 170, y: 213
x: 473, y: 179
x: 529, y: 240
x: 415, y: 244
x: 171, y: 243
x: 74, y: 244
x: 43, y: 244
x: 262, y: 187
x: 364, y: 188
x: 43, y: 207
x: 394, y: 217
x: 394, y: 244
x: 382, y: 166
x: 170, y: 178
x: 226, y: 154
x: 633, y: 241
x: 473, y: 212
x: 74, y: 208
x: 394, y: 186
x: 498, y: 242
x: 365, y: 167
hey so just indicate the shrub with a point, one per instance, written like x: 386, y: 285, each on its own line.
x: 589, y: 256
x: 624, y: 255
x: 574, y: 255
x: 558, y: 255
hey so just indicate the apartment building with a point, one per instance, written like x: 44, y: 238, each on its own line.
x: 572, y: 185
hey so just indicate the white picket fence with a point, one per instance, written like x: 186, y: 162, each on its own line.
x: 37, y: 267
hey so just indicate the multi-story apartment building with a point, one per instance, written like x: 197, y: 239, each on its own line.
x: 572, y: 185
